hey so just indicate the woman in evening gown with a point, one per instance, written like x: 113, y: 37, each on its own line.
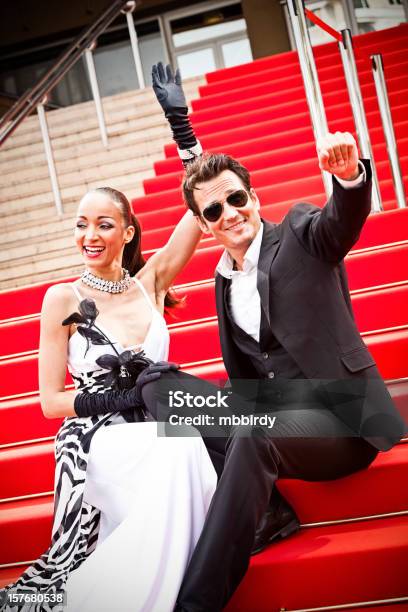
x: 129, y: 504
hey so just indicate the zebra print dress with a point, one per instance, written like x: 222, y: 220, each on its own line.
x: 76, y: 523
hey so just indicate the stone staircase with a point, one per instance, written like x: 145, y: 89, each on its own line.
x: 37, y: 244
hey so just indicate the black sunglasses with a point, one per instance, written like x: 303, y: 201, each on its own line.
x: 213, y: 211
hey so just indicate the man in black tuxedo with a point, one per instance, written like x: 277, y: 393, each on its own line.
x: 285, y: 321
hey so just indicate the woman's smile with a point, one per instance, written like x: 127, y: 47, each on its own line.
x: 92, y: 252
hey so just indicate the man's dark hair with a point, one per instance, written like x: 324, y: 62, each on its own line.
x: 207, y: 167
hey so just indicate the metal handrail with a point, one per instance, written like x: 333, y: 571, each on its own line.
x: 297, y: 13
x: 388, y: 128
x: 32, y: 97
x: 14, y: 97
x: 310, y: 77
x: 358, y: 111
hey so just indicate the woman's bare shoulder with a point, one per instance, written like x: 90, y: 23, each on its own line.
x: 60, y: 298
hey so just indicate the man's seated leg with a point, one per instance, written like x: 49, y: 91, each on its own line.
x: 308, y: 443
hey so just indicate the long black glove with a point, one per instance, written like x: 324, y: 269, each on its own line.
x: 90, y: 404
x: 169, y: 92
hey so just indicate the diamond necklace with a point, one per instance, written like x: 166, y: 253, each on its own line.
x: 107, y: 285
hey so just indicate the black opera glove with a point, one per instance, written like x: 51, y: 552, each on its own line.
x: 169, y: 93
x: 90, y: 404
x: 168, y: 89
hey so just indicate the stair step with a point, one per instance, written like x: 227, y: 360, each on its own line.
x: 135, y: 103
x: 35, y: 249
x: 329, y: 565
x: 30, y: 183
x: 247, y: 132
x: 45, y: 199
x: 89, y: 136
x: 25, y: 157
x: 200, y: 341
x: 25, y: 528
x: 290, y: 93
x: 285, y: 171
x: 264, y: 86
x: 364, y: 493
x: 265, y: 106
x: 328, y: 571
x: 74, y: 184
x: 29, y: 470
x: 387, y: 226
x: 21, y: 419
x: 326, y: 65
x: 281, y: 185
x: 374, y: 309
x: 65, y: 126
x: 363, y: 47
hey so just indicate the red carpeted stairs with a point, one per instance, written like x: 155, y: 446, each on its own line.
x: 353, y: 544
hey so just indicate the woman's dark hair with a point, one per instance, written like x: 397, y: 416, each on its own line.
x: 133, y: 259
x: 207, y: 167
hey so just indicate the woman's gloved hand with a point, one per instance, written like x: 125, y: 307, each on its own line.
x: 169, y: 92
x: 90, y: 404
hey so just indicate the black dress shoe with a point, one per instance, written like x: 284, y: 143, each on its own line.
x: 278, y: 522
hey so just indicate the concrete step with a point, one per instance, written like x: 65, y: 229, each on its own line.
x: 32, y: 270
x: 45, y: 199
x: 28, y: 221
x: 58, y: 269
x: 91, y: 138
x: 99, y: 158
x: 140, y: 169
x: 75, y: 152
x: 135, y: 102
x: 84, y: 130
x: 36, y: 251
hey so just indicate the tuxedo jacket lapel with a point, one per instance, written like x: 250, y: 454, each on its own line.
x: 269, y: 248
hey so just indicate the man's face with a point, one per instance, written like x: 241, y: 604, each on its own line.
x: 237, y: 227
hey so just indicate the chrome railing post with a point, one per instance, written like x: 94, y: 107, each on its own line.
x: 386, y: 118
x: 310, y: 78
x: 95, y: 93
x: 49, y: 155
x: 128, y: 10
x: 405, y: 7
x: 357, y: 107
x: 350, y: 16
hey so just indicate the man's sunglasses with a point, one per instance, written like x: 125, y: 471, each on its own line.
x: 213, y: 211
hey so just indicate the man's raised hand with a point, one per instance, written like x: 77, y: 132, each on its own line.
x: 338, y: 154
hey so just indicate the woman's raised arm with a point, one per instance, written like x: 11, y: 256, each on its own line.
x: 171, y: 259
x: 56, y: 402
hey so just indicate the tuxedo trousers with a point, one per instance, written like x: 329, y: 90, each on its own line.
x: 307, y: 441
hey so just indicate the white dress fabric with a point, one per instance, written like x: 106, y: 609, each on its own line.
x: 153, y: 494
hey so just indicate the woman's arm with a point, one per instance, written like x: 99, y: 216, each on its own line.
x: 164, y: 266
x: 52, y: 363
x: 166, y: 263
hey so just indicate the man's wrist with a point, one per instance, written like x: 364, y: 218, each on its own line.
x: 356, y: 180
x: 353, y: 177
x: 191, y: 152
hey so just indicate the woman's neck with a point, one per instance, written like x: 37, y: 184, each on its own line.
x: 115, y: 274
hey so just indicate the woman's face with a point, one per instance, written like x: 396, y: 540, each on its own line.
x: 100, y: 234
